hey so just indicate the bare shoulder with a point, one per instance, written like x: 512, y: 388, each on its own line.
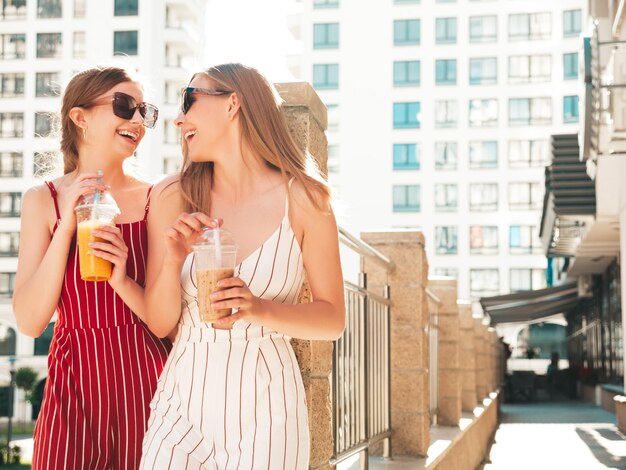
x: 166, y: 197
x: 37, y: 201
x: 309, y: 214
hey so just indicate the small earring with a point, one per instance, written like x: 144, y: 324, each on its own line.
x: 84, y: 132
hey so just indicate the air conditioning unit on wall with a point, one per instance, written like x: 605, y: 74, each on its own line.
x: 584, y: 285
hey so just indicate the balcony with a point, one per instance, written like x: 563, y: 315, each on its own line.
x: 186, y: 8
x: 182, y: 37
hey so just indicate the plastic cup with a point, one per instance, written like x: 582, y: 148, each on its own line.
x: 91, y: 215
x: 215, y: 257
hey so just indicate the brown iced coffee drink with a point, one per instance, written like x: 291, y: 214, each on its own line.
x: 207, y: 280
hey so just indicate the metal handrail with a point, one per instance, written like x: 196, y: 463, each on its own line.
x: 378, y: 298
x: 363, y: 249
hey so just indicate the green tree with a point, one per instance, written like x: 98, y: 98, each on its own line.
x: 26, y: 379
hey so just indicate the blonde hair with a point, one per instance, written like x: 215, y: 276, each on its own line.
x: 264, y: 130
x: 80, y: 91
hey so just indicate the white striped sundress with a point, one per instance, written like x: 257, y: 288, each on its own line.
x: 234, y: 399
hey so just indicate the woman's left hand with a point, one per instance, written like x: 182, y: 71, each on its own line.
x: 237, y: 295
x: 113, y: 249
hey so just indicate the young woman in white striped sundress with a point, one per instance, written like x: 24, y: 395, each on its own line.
x: 231, y: 394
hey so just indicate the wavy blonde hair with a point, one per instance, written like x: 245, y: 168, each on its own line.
x: 264, y: 130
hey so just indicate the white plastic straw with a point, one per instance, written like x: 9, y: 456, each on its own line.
x: 218, y: 247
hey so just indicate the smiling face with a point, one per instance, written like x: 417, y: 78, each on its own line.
x: 207, y: 125
x: 122, y: 135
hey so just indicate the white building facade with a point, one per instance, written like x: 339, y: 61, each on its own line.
x: 440, y: 116
x: 42, y: 43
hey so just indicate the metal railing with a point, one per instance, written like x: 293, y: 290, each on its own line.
x: 361, y: 365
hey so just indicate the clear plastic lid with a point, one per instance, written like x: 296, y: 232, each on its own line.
x: 102, y: 203
x: 215, y: 238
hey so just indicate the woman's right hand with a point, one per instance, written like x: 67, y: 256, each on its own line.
x: 183, y: 233
x: 85, y: 183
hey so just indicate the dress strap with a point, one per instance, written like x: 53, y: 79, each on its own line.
x: 287, y: 198
x: 53, y: 193
x: 145, y: 215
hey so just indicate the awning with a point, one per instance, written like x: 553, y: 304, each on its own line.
x: 531, y: 305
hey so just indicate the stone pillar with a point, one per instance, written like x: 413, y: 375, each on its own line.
x: 495, y: 364
x: 306, y: 118
x: 449, y: 377
x: 481, y: 371
x: 410, y: 419
x: 467, y: 356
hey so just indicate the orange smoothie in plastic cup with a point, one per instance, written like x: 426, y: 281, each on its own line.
x: 92, y: 267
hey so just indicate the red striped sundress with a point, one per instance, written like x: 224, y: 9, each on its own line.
x: 103, y: 368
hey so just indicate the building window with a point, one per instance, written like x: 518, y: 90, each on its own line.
x: 483, y: 197
x: 483, y: 113
x: 572, y: 23
x: 446, y: 114
x: 45, y: 164
x: 42, y: 342
x: 446, y: 197
x: 483, y: 28
x: 530, y: 68
x: 43, y: 124
x: 570, y: 109
x: 483, y: 154
x: 333, y: 117
x: 446, y: 240
x: 448, y: 272
x: 126, y: 7
x: 125, y: 42
x: 528, y: 153
x: 483, y: 240
x: 171, y: 132
x: 49, y: 9
x: 13, y: 10
x: 172, y: 165
x: 523, y: 240
x: 80, y: 9
x: 326, y: 76
x: 525, y: 196
x: 445, y: 30
x: 79, y: 51
x: 326, y: 36
x: 47, y: 84
x: 523, y: 279
x: 10, y: 204
x: 406, y: 32
x: 445, y: 155
x: 570, y: 66
x: 406, y: 73
x: 9, y: 244
x: 484, y: 282
x: 406, y: 115
x: 7, y: 283
x: 406, y: 156
x: 49, y: 46
x: 406, y: 198
x: 483, y: 71
x: 530, y: 111
x: 11, y: 85
x: 325, y: 3
x: 11, y: 125
x: 8, y: 336
x: 445, y: 72
x: 530, y: 26
x: 12, y: 46
x: 11, y: 164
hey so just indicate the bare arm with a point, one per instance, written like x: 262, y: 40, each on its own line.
x: 42, y: 257
x: 324, y: 318
x: 170, y: 232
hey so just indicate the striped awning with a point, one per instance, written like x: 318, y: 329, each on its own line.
x: 531, y: 305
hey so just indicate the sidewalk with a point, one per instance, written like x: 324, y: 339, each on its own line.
x: 547, y: 436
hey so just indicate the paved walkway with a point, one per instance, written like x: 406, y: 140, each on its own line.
x: 547, y: 436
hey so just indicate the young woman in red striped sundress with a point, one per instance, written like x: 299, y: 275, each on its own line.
x: 231, y: 394
x: 103, y: 363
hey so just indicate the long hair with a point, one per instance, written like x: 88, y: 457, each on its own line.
x: 80, y: 91
x: 264, y: 130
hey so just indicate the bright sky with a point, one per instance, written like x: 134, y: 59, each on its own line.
x: 253, y: 32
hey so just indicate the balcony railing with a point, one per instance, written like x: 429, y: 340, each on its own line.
x: 361, y: 365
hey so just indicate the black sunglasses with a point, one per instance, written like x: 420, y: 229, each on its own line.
x: 187, y: 98
x: 124, y: 106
